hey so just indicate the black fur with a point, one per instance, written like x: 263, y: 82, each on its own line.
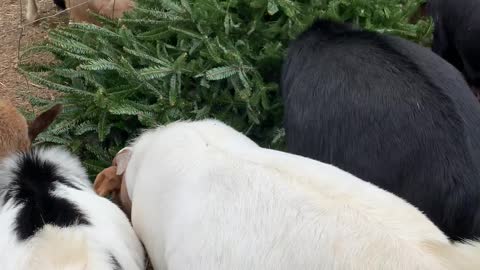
x: 456, y: 35
x: 60, y: 4
x: 116, y: 264
x: 31, y: 187
x: 392, y: 113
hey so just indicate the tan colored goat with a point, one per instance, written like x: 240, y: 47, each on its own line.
x: 16, y: 134
x: 79, y: 9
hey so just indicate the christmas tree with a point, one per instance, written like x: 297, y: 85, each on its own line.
x: 187, y: 59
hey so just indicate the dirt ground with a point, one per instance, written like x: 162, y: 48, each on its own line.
x: 14, y: 86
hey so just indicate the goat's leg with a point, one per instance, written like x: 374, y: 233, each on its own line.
x: 32, y: 10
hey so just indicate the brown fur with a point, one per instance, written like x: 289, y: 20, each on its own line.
x: 13, y: 130
x: 15, y: 133
x: 42, y: 121
x: 79, y: 9
x: 108, y: 8
x: 110, y: 181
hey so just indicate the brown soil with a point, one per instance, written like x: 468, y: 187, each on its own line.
x: 13, y: 85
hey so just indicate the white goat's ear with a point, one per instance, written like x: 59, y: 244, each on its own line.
x: 121, y: 160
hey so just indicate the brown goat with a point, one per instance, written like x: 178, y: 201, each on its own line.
x: 107, y: 8
x: 110, y: 181
x: 16, y: 134
x: 79, y: 9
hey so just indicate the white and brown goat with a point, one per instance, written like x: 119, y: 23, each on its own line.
x: 203, y: 196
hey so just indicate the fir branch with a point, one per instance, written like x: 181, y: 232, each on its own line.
x: 220, y: 73
x: 181, y: 59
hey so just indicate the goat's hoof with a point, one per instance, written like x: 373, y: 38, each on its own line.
x: 31, y: 17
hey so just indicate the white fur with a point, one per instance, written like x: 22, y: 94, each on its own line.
x: 83, y: 247
x: 206, y: 197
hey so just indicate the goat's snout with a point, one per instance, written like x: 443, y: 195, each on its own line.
x: 111, y: 181
x: 108, y: 182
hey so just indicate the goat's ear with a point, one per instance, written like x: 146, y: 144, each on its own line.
x: 42, y: 121
x: 121, y: 160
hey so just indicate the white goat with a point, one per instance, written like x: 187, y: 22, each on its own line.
x: 204, y: 196
x: 51, y: 218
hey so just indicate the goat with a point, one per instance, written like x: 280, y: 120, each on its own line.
x: 79, y: 9
x: 16, y: 134
x: 51, y: 218
x: 391, y: 112
x: 204, y: 196
x: 456, y: 35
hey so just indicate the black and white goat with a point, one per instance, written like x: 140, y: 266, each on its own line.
x: 50, y: 218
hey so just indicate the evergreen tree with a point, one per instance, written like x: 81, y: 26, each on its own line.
x: 187, y: 59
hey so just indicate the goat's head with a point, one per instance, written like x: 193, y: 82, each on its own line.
x: 111, y: 181
x: 16, y: 134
